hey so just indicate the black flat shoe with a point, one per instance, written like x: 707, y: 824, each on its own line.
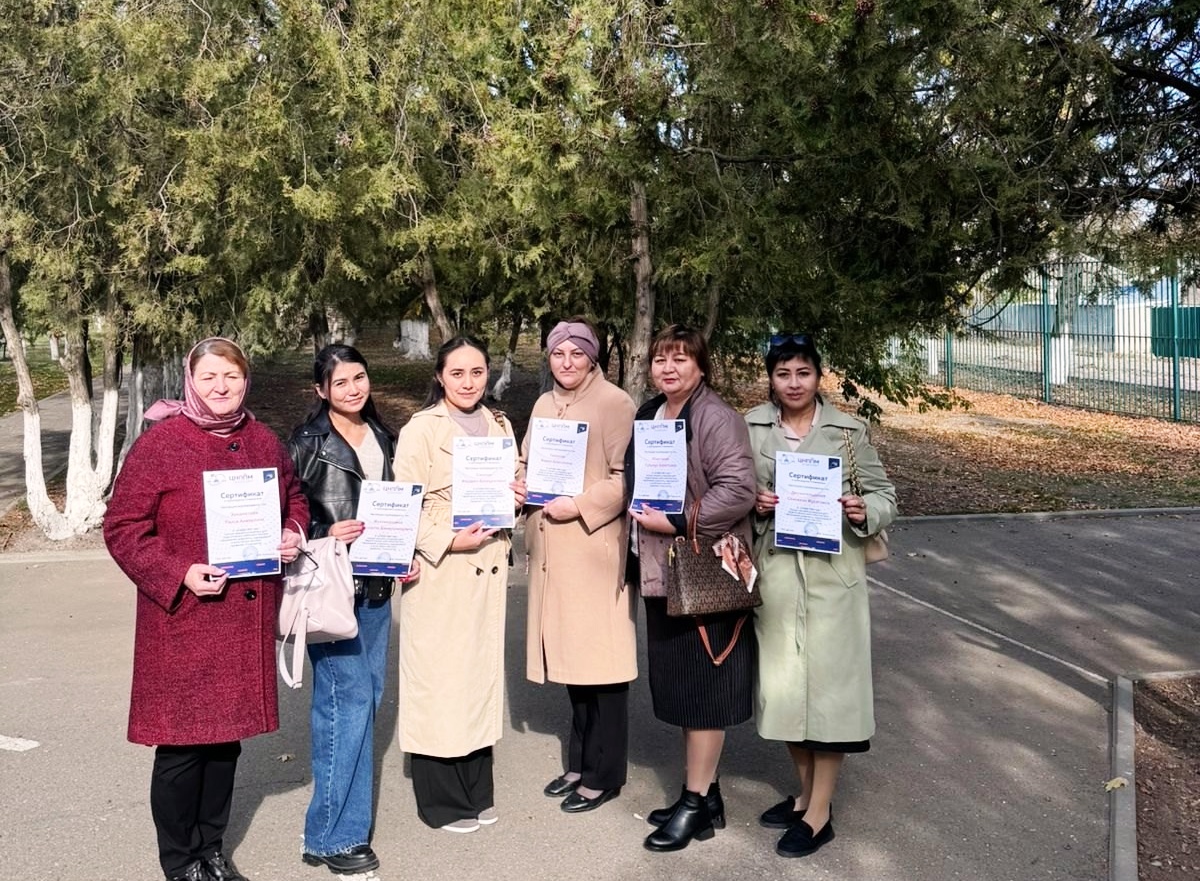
x: 799, y: 840
x: 781, y: 816
x: 348, y: 862
x: 577, y: 804
x: 194, y: 872
x: 560, y: 786
x: 221, y: 869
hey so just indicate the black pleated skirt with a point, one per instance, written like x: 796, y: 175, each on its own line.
x: 686, y: 688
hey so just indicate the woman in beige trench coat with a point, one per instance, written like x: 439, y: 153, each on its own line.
x: 452, y: 618
x: 581, y: 617
x: 814, y: 627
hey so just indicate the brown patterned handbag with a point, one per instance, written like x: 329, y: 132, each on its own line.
x: 875, y: 547
x: 696, y: 582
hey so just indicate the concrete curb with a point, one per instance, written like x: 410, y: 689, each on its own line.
x: 1039, y: 516
x: 1122, y: 801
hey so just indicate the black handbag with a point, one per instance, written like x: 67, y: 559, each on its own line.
x: 697, y: 584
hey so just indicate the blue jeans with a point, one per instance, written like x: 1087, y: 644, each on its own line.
x: 347, y: 689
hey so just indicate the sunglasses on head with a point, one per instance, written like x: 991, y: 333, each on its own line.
x: 782, y: 339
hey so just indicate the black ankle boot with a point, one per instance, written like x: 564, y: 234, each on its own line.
x: 716, y: 807
x: 691, y: 819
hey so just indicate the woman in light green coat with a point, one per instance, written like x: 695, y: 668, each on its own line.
x: 814, y: 629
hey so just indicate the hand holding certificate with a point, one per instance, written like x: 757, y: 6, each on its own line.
x: 482, y: 476
x: 557, y: 456
x: 390, y: 513
x: 660, y: 464
x: 241, y: 512
x: 809, y: 515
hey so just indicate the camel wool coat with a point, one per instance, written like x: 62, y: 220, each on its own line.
x: 581, y: 624
x: 814, y: 625
x: 452, y: 616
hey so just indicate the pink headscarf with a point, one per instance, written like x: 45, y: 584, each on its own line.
x: 193, y: 407
x: 579, y: 334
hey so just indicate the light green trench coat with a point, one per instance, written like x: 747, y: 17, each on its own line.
x: 814, y: 626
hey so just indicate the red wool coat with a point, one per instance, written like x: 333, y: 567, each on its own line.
x: 203, y: 669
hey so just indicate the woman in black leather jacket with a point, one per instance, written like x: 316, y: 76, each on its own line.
x: 341, y: 443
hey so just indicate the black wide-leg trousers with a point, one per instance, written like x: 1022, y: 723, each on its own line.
x: 598, y: 748
x: 191, y: 791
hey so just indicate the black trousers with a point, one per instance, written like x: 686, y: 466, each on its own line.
x: 448, y: 790
x: 191, y: 791
x: 598, y: 748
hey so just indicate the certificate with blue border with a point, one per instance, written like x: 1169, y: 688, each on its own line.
x: 482, y: 471
x: 659, y: 465
x: 242, y: 521
x: 390, y: 513
x: 557, y: 459
x: 809, y: 515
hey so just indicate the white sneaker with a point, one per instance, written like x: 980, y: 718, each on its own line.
x: 466, y: 825
x: 488, y: 816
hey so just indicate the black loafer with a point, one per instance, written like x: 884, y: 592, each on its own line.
x: 577, y: 804
x: 221, y: 869
x: 799, y: 840
x: 560, y: 786
x: 781, y: 816
x: 194, y: 872
x: 348, y: 862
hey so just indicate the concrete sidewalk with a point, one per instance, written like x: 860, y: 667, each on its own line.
x: 994, y: 643
x: 56, y: 437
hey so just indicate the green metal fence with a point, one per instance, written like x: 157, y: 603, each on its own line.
x: 1083, y: 334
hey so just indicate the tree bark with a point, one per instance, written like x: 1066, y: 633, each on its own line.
x: 638, y: 350
x: 433, y: 301
x: 36, y: 497
x: 714, y: 307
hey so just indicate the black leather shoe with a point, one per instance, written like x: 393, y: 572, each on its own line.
x: 221, y: 869
x: 716, y: 807
x: 690, y: 820
x: 194, y: 872
x: 799, y: 840
x: 577, y: 804
x: 348, y: 862
x: 781, y: 816
x: 560, y: 786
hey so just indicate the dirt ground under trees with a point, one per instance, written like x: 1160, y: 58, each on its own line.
x: 991, y: 453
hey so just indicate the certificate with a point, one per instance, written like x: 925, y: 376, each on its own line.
x: 483, y: 469
x: 390, y: 512
x: 241, y: 514
x: 660, y: 464
x: 557, y: 456
x: 809, y: 515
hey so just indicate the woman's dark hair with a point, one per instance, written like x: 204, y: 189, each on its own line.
x: 786, y: 346
x: 324, y: 365
x: 436, y: 391
x: 687, y: 339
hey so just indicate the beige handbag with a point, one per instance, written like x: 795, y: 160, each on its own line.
x: 875, y: 547
x: 317, y: 605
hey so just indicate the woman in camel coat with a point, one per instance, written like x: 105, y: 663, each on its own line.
x: 452, y: 617
x: 581, y: 616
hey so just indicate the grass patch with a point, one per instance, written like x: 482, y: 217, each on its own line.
x: 48, y: 378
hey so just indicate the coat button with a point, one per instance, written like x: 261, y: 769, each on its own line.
x: 250, y: 595
x: 771, y: 551
x: 495, y: 569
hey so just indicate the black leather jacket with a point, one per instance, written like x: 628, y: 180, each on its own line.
x: 331, y: 478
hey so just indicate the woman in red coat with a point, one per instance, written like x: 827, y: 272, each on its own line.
x: 203, y: 653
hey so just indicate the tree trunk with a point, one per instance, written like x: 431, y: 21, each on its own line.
x: 432, y: 301
x: 640, y: 336
x: 412, y: 340
x: 714, y: 307
x: 505, y: 378
x: 146, y: 385
x: 41, y: 508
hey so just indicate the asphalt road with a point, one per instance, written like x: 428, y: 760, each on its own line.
x: 995, y: 639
